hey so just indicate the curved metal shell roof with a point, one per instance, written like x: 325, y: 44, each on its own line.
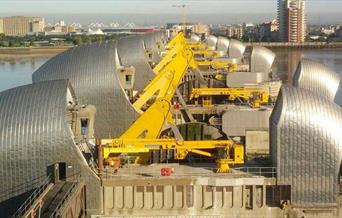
x: 131, y: 51
x: 262, y: 59
x: 34, y: 134
x: 317, y: 78
x: 306, y: 144
x: 212, y: 42
x: 195, y: 38
x: 155, y: 41
x: 152, y: 40
x: 223, y: 44
x: 236, y: 49
x: 92, y: 72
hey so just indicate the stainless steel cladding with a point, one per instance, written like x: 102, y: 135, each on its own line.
x: 261, y: 59
x: 223, y: 44
x: 240, y: 79
x: 195, y: 38
x: 306, y: 144
x: 236, y: 49
x: 154, y: 42
x: 131, y: 52
x: 237, y: 122
x: 34, y: 134
x: 92, y: 72
x: 212, y: 42
x: 317, y: 78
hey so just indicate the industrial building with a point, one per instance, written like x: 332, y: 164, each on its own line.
x: 59, y: 136
x: 21, y: 26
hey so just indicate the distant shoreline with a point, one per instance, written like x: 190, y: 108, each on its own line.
x: 27, y: 52
x: 8, y: 53
x: 306, y: 45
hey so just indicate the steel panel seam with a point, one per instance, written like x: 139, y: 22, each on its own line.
x: 306, y: 146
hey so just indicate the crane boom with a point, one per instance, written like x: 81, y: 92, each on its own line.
x: 164, y: 84
x: 144, y: 135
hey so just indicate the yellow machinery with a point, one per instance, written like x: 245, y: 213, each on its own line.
x: 208, y: 58
x: 255, y: 97
x: 170, y: 72
x: 144, y: 135
x: 202, y: 50
x: 199, y: 48
x: 217, y: 65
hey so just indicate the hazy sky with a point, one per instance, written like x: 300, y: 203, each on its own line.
x: 314, y: 7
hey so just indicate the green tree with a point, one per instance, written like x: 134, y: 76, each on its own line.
x: 86, y: 39
x: 77, y: 40
x: 4, y: 43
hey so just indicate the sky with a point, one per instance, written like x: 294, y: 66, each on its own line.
x: 252, y: 10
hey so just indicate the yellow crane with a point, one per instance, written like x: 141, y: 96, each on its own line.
x: 227, y: 66
x: 144, y: 135
x: 170, y: 72
x: 208, y: 63
x: 205, y: 57
x: 255, y: 97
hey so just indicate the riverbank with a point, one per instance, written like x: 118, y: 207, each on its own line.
x: 305, y: 45
x: 26, y: 52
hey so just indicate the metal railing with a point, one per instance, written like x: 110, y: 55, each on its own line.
x: 56, y: 212
x: 259, y: 171
x: 24, y: 187
x: 32, y: 198
x: 269, y: 172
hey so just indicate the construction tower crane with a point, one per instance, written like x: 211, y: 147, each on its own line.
x: 200, y: 49
x: 183, y: 7
x: 145, y: 134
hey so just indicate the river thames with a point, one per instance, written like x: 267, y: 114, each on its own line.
x: 18, y: 71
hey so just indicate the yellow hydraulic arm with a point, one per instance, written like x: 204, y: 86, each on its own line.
x: 170, y: 72
x: 197, y: 48
x: 179, y: 38
x: 254, y: 96
x: 201, y: 49
x: 144, y: 135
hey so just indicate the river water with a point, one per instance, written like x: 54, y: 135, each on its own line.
x: 287, y: 61
x: 18, y: 71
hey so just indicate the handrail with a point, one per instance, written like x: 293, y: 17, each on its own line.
x: 268, y: 172
x: 32, y: 198
x: 259, y: 171
x: 67, y: 195
x: 20, y: 187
